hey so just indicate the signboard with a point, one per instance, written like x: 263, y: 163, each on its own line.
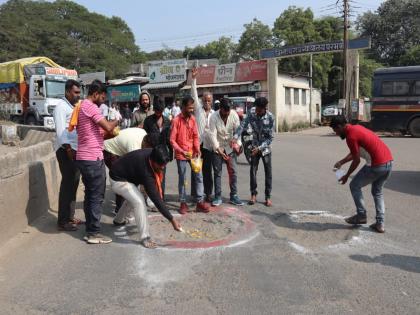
x: 61, y: 71
x: 314, y: 48
x: 124, y: 93
x: 167, y: 70
x: 251, y: 71
x: 225, y: 73
x: 205, y: 75
x: 342, y: 103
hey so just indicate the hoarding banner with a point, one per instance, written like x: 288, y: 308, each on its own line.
x: 314, y: 48
x: 124, y: 93
x: 167, y: 70
x: 205, y: 75
x: 251, y: 71
x: 225, y: 73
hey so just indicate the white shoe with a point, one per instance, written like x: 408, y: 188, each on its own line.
x: 150, y: 203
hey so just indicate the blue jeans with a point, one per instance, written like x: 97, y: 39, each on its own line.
x: 377, y: 176
x: 94, y: 179
x: 197, y: 180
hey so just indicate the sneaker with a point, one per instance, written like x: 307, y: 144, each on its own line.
x: 98, y: 239
x: 203, y: 207
x: 356, y: 219
x: 120, y: 223
x: 183, y: 209
x: 378, y: 227
x: 217, y: 201
x: 236, y: 201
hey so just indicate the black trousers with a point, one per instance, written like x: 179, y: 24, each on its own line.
x: 70, y: 177
x: 207, y: 171
x: 255, y: 160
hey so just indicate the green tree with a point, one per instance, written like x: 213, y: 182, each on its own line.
x: 67, y: 33
x: 394, y: 28
x: 411, y: 57
x: 256, y: 36
x: 366, y: 68
x: 223, y: 49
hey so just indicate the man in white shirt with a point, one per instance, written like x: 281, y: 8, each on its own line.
x: 176, y: 110
x: 104, y: 110
x: 202, y: 112
x: 66, y: 147
x: 222, y: 127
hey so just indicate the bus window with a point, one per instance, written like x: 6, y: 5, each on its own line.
x: 401, y: 88
x: 417, y: 88
x: 395, y: 88
x: 387, y: 88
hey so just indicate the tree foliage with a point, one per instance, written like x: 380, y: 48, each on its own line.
x: 256, y: 36
x: 223, y: 49
x: 67, y: 33
x: 394, y: 28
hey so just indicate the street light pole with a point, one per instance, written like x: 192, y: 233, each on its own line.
x: 345, y: 56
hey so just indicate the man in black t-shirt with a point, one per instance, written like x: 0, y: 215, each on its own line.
x: 141, y: 167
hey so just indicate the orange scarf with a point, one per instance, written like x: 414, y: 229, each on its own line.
x: 74, y: 116
x: 159, y: 179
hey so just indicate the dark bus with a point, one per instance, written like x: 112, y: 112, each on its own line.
x: 396, y: 100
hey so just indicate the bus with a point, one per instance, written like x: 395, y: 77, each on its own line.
x: 396, y: 100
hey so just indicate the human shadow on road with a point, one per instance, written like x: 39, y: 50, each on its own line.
x: 281, y: 219
x: 407, y: 263
x: 407, y: 182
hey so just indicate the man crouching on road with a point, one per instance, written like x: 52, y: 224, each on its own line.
x: 141, y: 167
x: 363, y: 141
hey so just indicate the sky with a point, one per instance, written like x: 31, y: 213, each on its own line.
x: 181, y: 23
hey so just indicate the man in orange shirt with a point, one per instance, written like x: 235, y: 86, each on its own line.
x: 186, y: 144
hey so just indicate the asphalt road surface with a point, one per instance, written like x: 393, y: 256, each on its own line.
x: 304, y: 260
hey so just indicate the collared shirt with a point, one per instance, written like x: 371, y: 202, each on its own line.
x: 62, y: 114
x: 358, y: 137
x: 184, y: 136
x: 128, y: 140
x: 261, y: 128
x: 140, y: 115
x: 90, y: 135
x: 203, y: 118
x: 221, y: 134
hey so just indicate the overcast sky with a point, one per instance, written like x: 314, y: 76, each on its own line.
x: 189, y: 23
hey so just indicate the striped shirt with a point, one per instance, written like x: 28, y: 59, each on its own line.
x: 90, y: 134
x: 221, y: 134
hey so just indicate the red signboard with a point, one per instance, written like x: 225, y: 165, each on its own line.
x: 251, y: 71
x: 205, y: 75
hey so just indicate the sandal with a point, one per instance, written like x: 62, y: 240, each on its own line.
x: 76, y: 221
x: 148, y: 243
x: 68, y: 227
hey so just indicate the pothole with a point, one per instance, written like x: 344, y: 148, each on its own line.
x: 220, y: 227
x: 313, y: 229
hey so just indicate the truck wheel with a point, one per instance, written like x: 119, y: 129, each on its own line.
x: 30, y: 120
x: 414, y: 127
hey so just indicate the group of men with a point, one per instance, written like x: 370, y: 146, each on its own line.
x: 138, y: 156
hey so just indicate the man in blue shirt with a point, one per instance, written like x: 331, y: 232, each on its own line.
x: 66, y: 148
x: 261, y: 122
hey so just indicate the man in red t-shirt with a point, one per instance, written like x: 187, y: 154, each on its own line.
x: 366, y: 144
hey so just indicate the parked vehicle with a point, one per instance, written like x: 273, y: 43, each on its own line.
x: 396, y: 100
x: 30, y: 88
x: 241, y: 104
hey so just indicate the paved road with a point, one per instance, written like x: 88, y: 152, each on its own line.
x: 299, y: 263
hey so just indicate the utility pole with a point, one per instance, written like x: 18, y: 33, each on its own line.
x: 345, y: 53
x: 310, y: 90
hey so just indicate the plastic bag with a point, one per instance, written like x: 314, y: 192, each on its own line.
x: 196, y: 164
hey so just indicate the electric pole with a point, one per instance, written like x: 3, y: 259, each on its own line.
x: 345, y: 50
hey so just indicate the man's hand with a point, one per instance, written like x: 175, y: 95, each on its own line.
x: 188, y: 155
x: 255, y: 151
x: 176, y: 225
x: 194, y: 73
x: 337, y: 165
x: 197, y: 155
x: 222, y: 153
x: 343, y: 180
